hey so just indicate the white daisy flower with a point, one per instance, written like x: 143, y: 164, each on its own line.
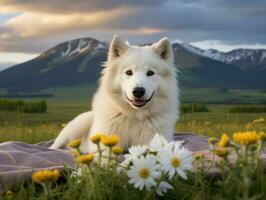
x: 163, y: 187
x: 144, y: 172
x: 134, y: 152
x: 157, y: 142
x: 137, y: 150
x: 175, y: 160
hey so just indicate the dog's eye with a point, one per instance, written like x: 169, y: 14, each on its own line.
x: 129, y: 72
x: 150, y: 73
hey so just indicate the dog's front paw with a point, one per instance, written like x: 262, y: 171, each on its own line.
x: 88, y: 148
x: 84, y: 149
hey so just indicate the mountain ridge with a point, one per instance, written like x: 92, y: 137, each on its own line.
x: 78, y: 61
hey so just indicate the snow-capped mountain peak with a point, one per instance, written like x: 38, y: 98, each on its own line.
x: 245, y: 59
x: 75, y: 47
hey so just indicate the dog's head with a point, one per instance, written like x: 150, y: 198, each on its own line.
x: 139, y: 74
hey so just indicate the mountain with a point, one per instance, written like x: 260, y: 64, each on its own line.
x: 78, y: 62
x: 253, y: 60
x: 67, y: 64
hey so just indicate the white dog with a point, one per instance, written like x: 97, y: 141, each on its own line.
x: 137, y: 97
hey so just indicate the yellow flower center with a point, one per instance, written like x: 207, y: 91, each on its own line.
x: 74, y: 143
x: 144, y: 173
x: 96, y: 138
x: 247, y: 138
x: 222, y: 152
x: 45, y: 176
x: 224, y: 141
x: 85, y: 159
x: 117, y: 150
x: 110, y: 140
x: 175, y: 162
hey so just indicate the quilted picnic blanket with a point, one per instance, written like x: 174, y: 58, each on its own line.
x: 19, y: 160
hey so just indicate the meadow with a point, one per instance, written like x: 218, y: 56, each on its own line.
x: 235, y: 183
x: 33, y: 128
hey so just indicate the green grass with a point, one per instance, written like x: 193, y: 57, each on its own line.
x: 222, y: 96
x: 194, y: 95
x: 33, y: 128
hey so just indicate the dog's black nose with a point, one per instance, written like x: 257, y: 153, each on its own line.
x: 138, y: 92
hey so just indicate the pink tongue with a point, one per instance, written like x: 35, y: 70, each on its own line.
x: 139, y: 102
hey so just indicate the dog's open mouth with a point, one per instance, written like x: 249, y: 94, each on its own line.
x: 139, y: 102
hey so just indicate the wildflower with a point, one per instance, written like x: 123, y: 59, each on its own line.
x: 85, y: 159
x: 175, y: 160
x: 117, y: 150
x: 45, y: 176
x: 157, y: 142
x: 259, y: 120
x: 138, y: 150
x: 9, y: 194
x: 134, y: 152
x: 96, y: 139
x: 212, y: 140
x: 224, y: 141
x: 163, y: 187
x: 75, y: 153
x: 110, y: 140
x: 74, y: 143
x: 246, y: 138
x: 143, y: 172
x: 222, y: 152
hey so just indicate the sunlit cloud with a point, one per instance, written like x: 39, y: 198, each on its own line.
x: 32, y: 26
x: 19, y: 57
x: 149, y: 31
x: 37, y: 25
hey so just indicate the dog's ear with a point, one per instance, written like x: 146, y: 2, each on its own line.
x: 117, y: 47
x: 163, y: 48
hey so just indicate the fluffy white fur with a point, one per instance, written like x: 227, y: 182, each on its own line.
x: 113, y: 108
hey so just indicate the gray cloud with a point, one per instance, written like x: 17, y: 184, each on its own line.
x: 228, y: 21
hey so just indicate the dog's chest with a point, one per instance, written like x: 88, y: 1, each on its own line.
x: 133, y: 131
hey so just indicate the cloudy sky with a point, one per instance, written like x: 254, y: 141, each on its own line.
x: 29, y: 27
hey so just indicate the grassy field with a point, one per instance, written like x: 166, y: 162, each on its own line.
x: 34, y: 128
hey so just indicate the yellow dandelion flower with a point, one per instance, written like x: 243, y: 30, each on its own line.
x: 246, y: 138
x: 110, y: 140
x: 224, y: 141
x: 117, y: 150
x: 85, y: 159
x: 212, y: 140
x: 74, y: 143
x: 45, y: 176
x: 222, y: 152
x: 96, y: 139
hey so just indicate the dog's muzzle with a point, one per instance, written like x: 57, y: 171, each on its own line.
x: 139, y: 102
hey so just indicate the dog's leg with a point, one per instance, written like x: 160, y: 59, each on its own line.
x: 77, y: 128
